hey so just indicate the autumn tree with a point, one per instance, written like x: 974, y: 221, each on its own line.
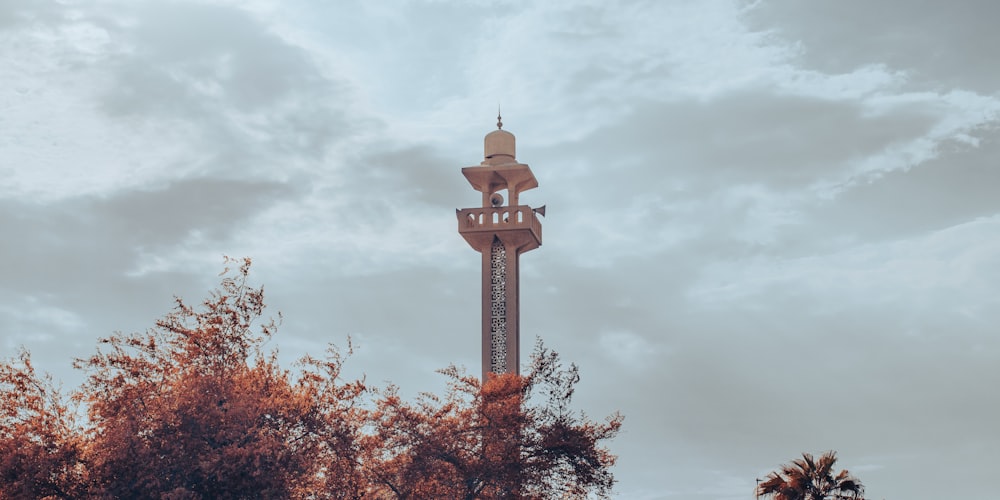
x: 492, y: 440
x: 41, y: 442
x: 810, y: 478
x: 194, y: 408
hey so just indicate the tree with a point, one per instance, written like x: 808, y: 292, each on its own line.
x: 807, y: 478
x: 194, y: 408
x: 489, y: 441
x: 41, y: 443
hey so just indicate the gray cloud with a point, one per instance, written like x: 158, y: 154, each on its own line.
x: 196, y: 53
x: 105, y: 233
x: 16, y: 13
x: 948, y: 190
x: 753, y: 136
x: 939, y: 45
x: 408, y: 175
x: 260, y: 104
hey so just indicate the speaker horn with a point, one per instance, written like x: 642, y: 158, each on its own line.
x: 496, y: 199
x: 540, y: 210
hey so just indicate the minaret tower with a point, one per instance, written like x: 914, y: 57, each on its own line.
x: 501, y: 233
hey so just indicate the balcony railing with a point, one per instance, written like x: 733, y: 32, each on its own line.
x: 498, y: 219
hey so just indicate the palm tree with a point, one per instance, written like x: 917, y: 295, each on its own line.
x: 807, y: 478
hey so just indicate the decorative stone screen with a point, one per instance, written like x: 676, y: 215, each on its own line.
x: 498, y: 307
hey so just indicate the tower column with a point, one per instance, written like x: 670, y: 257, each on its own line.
x: 514, y: 310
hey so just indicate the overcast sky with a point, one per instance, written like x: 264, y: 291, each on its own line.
x: 773, y: 227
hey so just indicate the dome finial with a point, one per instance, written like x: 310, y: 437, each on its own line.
x: 499, y: 122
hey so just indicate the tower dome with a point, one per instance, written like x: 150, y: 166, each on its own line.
x: 498, y: 147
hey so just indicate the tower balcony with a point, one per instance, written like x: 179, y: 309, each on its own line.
x: 516, y: 226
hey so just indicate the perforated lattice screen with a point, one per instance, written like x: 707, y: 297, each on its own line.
x: 498, y: 307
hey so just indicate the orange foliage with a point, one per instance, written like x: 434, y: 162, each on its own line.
x: 40, y: 443
x: 489, y: 441
x: 195, y: 408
